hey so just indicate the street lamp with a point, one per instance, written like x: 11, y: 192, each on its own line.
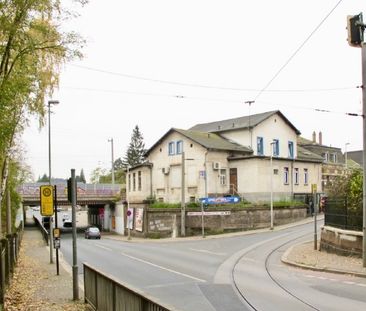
x: 111, y: 141
x: 50, y: 102
x: 272, y: 144
x: 345, y: 154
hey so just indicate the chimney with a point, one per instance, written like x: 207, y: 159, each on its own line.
x: 320, y: 138
x: 314, y: 137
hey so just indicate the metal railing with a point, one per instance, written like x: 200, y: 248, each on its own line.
x: 339, y: 214
x: 102, y: 292
x: 9, y: 253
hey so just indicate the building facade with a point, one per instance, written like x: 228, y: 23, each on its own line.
x: 250, y: 156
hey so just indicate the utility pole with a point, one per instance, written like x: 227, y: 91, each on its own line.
x: 111, y: 141
x: 183, y: 200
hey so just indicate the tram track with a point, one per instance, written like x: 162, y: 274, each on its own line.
x: 246, y: 297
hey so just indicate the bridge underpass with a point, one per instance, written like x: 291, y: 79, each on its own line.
x: 98, y: 200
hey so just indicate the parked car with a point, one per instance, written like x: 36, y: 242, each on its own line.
x: 92, y: 232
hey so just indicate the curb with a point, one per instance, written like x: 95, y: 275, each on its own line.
x: 285, y: 260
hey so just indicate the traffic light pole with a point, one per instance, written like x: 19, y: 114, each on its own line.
x: 364, y: 150
x: 74, y: 248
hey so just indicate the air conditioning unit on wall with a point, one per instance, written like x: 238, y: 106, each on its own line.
x: 216, y: 165
x: 165, y: 170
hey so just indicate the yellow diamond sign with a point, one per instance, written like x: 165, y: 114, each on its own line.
x: 46, y: 200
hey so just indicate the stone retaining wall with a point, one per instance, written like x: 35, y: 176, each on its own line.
x: 166, y: 222
x: 341, y: 242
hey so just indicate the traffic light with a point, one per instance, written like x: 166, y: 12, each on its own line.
x: 355, y: 28
x: 69, y: 190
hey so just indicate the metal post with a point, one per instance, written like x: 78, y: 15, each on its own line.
x: 364, y: 150
x: 74, y: 248
x: 203, y: 221
x: 315, y: 221
x: 56, y: 226
x: 272, y: 143
x: 111, y: 141
x: 345, y: 155
x: 50, y: 102
x: 128, y: 204
x: 183, y: 200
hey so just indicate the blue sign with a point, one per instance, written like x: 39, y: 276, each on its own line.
x: 220, y: 200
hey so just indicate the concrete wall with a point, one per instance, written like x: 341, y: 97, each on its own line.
x: 342, y: 242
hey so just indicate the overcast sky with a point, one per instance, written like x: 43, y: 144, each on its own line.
x: 167, y: 63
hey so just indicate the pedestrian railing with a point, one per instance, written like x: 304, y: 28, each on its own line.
x: 103, y: 292
x: 339, y: 214
x: 9, y: 253
x: 43, y: 230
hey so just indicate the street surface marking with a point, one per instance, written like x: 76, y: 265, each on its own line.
x: 207, y: 252
x: 166, y: 285
x: 103, y: 247
x: 334, y: 280
x: 163, y: 268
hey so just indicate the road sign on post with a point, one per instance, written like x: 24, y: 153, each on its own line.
x: 46, y: 193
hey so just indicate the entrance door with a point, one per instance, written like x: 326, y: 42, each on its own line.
x: 233, y: 181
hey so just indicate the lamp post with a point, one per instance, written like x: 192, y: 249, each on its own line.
x: 111, y: 141
x: 272, y: 144
x: 50, y: 102
x: 345, y: 154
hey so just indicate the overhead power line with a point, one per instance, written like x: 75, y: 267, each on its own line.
x: 297, y: 50
x: 206, y: 86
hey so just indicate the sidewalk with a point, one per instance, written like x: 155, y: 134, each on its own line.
x: 35, y: 285
x: 304, y: 256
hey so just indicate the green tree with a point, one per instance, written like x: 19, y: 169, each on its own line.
x: 44, y: 178
x: 32, y: 49
x: 82, y: 176
x: 136, y: 149
x: 350, y: 186
x: 97, y: 174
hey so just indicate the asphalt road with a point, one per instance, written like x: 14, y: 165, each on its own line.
x: 224, y: 273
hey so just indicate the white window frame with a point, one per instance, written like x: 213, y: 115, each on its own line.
x: 260, y: 149
x: 286, y: 175
x: 179, y: 148
x: 296, y: 176
x: 171, y: 148
x: 306, y: 176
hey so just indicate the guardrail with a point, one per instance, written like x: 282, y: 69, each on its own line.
x: 103, y: 292
x: 43, y: 230
x: 9, y: 253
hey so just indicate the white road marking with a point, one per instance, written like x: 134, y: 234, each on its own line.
x: 362, y: 285
x: 166, y: 285
x: 103, y: 247
x: 163, y: 268
x: 349, y: 282
x: 207, y: 252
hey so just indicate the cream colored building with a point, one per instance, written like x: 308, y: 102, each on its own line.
x: 245, y: 156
